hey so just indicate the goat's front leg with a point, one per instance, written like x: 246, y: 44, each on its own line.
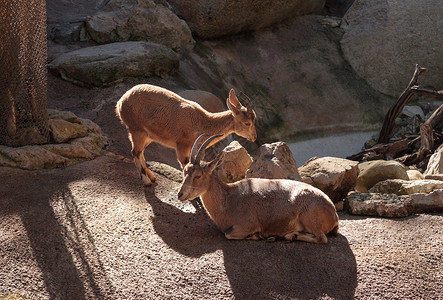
x: 182, y: 152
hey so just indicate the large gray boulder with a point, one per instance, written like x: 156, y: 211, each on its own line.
x: 384, y: 39
x: 147, y: 20
x: 334, y: 176
x: 215, y: 18
x: 106, y: 64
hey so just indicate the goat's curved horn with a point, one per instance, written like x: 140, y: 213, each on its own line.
x: 202, y: 149
x: 192, y: 156
x: 245, y: 99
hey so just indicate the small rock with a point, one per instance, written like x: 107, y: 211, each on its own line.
x: 274, y: 161
x: 432, y: 202
x: 64, y: 115
x: 66, y: 33
x: 415, y: 175
x: 93, y: 143
x: 413, y: 110
x: 334, y: 176
x: 62, y: 131
x: 71, y: 151
x: 435, y: 177
x: 165, y: 170
x: 339, y: 205
x: 435, y: 164
x: 30, y: 158
x: 236, y: 162
x: 406, y: 187
x: 383, y: 205
x: 375, y: 171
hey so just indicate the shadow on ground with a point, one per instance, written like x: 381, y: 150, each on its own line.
x: 60, y: 242
x: 257, y: 269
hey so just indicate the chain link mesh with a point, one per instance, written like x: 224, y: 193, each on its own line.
x: 23, y: 55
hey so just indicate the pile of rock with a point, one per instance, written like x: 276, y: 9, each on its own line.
x: 73, y: 140
x: 377, y: 188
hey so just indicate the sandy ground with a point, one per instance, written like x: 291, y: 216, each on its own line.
x: 92, y: 231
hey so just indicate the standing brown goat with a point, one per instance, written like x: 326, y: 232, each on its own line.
x: 257, y: 208
x: 155, y: 114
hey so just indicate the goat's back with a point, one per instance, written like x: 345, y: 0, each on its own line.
x: 157, y: 111
x: 286, y: 199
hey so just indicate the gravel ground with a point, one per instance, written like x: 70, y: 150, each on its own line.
x: 92, y: 231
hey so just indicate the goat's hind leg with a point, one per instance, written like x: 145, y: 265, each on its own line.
x: 236, y: 233
x: 139, y: 142
x: 317, y: 238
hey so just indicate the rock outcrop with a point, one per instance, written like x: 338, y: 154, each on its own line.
x: 131, y: 20
x: 216, y: 18
x: 274, y: 161
x: 79, y: 140
x: 106, y: 64
x: 294, y: 74
x: 334, y: 176
x: 384, y: 39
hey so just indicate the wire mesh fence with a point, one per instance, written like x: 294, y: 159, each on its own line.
x: 23, y: 55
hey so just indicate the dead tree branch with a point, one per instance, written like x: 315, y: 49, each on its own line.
x: 430, y: 134
x: 395, y: 110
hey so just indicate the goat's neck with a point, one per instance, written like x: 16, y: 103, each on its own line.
x: 214, y: 200
x: 220, y: 123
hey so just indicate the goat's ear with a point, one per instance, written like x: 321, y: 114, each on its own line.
x: 232, y: 102
x: 216, y: 161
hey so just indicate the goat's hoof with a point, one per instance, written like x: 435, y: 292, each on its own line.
x: 270, y: 239
x: 146, y: 182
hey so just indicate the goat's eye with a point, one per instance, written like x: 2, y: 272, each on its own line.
x: 197, y: 176
x: 248, y: 124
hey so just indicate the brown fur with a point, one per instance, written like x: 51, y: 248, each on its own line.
x: 260, y: 208
x: 154, y: 114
